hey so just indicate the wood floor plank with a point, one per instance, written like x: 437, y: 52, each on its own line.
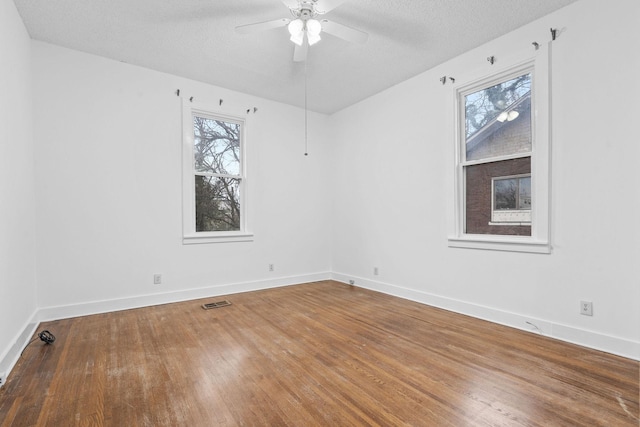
x: 318, y: 354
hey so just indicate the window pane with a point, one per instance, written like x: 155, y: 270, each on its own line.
x: 524, y: 197
x: 217, y: 146
x: 217, y: 203
x: 506, y: 194
x: 498, y: 119
x: 484, y: 180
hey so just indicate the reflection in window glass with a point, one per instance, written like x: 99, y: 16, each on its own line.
x: 512, y: 193
x: 506, y: 194
x: 498, y: 119
x: 524, y: 196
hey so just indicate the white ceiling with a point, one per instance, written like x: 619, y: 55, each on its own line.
x: 196, y: 39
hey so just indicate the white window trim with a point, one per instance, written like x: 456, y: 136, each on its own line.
x: 540, y: 240
x: 189, y: 234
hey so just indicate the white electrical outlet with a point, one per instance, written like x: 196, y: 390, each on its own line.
x: 586, y: 308
x: 272, y: 267
x: 375, y: 271
x: 157, y: 279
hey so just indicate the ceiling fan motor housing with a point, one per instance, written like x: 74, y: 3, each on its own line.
x: 306, y: 11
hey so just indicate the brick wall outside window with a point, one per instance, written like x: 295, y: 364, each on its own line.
x: 478, y: 197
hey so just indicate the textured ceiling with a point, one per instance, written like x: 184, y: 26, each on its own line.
x: 196, y: 39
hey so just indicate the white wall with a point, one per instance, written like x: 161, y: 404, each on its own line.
x: 394, y: 182
x: 108, y: 167
x: 17, y: 208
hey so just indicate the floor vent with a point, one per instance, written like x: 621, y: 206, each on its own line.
x: 218, y: 304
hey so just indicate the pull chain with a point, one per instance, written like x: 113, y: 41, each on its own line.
x: 306, y: 151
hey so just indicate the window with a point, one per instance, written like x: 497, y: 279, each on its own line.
x: 497, y: 142
x: 502, y: 157
x: 511, y: 200
x: 214, y: 176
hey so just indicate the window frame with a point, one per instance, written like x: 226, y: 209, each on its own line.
x: 538, y: 64
x: 189, y: 233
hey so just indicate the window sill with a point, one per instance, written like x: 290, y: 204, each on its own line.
x: 510, y: 223
x: 500, y: 243
x: 204, y: 238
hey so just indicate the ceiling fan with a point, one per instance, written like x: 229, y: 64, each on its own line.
x: 305, y: 28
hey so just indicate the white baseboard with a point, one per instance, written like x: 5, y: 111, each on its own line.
x: 619, y: 346
x: 9, y: 359
x: 105, y: 306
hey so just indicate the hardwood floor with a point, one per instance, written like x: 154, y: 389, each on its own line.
x: 319, y: 354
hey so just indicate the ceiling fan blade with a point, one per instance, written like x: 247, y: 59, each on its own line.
x: 300, y: 52
x: 324, y: 6
x: 291, y: 4
x: 262, y: 26
x: 346, y: 33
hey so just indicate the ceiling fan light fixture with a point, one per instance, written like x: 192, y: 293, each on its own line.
x: 295, y: 27
x: 298, y: 38
x: 313, y: 31
x: 313, y: 27
x: 299, y: 27
x: 313, y: 38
